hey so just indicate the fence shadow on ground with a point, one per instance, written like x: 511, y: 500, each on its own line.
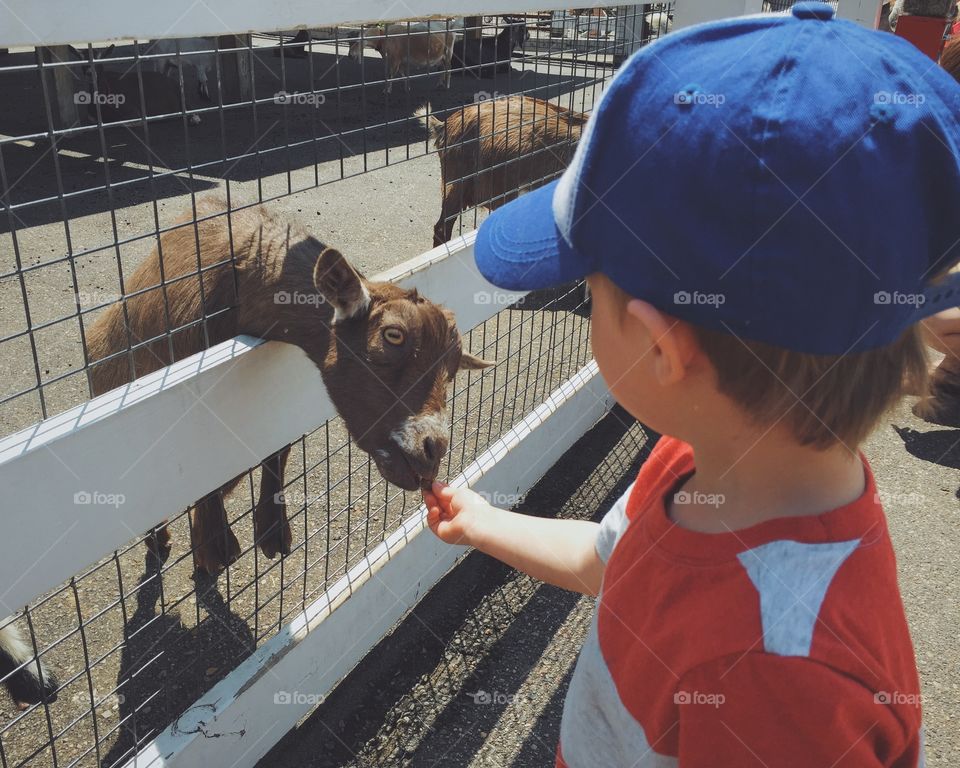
x: 480, y: 631
x: 155, y: 684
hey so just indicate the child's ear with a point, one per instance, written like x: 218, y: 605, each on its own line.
x: 674, y: 345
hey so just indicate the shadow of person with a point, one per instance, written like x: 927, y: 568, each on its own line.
x: 165, y: 666
x: 938, y: 446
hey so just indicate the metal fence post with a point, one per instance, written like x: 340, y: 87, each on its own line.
x: 629, y: 31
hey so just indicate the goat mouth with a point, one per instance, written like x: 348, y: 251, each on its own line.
x: 397, y: 470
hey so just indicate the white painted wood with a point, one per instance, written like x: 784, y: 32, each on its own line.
x: 863, y: 12
x: 52, y: 22
x: 240, y: 718
x: 690, y: 12
x: 148, y: 450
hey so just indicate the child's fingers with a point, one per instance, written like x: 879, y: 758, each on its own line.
x: 429, y: 499
x: 433, y: 517
x: 442, y: 491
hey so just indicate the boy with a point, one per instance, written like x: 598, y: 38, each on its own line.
x: 723, y: 206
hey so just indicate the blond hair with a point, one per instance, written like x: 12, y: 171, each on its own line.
x: 822, y: 399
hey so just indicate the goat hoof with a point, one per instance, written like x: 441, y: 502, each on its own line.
x: 276, y: 540
x: 214, y: 556
x: 26, y: 690
x: 158, y: 543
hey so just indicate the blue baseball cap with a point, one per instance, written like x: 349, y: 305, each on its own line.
x: 791, y: 179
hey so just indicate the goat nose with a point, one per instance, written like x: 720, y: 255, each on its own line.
x: 433, y: 450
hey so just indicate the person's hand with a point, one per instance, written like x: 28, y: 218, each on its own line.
x: 452, y: 513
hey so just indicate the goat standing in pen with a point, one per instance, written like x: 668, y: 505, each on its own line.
x: 404, y: 47
x: 201, y: 52
x: 385, y: 353
x: 493, y: 151
x: 486, y: 56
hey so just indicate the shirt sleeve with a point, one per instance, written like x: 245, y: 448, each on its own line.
x: 612, y: 526
x: 787, y: 711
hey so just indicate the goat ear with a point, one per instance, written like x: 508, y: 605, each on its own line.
x: 469, y: 362
x: 106, y: 52
x: 340, y: 285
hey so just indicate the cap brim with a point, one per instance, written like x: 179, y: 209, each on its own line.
x: 519, y: 247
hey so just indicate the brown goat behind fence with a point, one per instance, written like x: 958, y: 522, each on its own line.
x: 493, y: 151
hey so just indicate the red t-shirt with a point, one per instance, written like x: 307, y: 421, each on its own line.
x: 783, y: 644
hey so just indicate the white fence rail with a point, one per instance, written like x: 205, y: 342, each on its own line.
x: 194, y: 425
x: 54, y: 22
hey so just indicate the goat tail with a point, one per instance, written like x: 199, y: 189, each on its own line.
x: 432, y: 123
x: 19, y: 670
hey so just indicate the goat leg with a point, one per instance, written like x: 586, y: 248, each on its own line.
x: 387, y: 73
x: 202, y: 85
x: 454, y: 201
x: 214, y: 545
x: 158, y: 542
x: 270, y: 526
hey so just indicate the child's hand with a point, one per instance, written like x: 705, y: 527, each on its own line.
x: 452, y: 512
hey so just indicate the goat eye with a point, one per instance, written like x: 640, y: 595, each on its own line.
x: 393, y: 335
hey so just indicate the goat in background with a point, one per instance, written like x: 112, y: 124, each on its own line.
x: 493, y: 151
x: 486, y: 56
x: 404, y: 47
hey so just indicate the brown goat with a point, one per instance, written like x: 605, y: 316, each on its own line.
x: 402, y: 47
x: 385, y: 353
x: 492, y: 151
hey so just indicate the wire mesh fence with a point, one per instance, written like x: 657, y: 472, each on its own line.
x: 106, y: 149
x: 783, y: 6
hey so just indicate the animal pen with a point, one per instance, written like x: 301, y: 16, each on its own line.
x: 124, y: 128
